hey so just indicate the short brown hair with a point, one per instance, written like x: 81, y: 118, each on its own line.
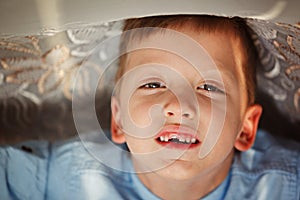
x: 235, y: 25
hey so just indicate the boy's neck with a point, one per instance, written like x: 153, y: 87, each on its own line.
x: 194, y: 188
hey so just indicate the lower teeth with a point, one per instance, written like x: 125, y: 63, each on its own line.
x: 178, y: 141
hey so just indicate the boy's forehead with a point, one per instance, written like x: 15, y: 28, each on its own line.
x: 153, y: 61
x: 201, y: 49
x: 183, y: 37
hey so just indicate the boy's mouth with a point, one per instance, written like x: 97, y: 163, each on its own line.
x: 177, y: 137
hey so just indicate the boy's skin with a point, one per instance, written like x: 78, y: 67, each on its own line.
x: 186, y: 174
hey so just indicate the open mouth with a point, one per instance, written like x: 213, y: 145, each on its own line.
x: 177, y: 140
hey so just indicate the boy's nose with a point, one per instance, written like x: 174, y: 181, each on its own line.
x: 175, y: 109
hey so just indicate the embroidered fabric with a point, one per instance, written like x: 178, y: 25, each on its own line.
x: 37, y: 74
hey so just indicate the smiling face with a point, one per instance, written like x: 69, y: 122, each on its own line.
x: 180, y: 104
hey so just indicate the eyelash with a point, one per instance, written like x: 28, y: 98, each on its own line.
x: 158, y: 85
x: 152, y: 85
x: 210, y: 88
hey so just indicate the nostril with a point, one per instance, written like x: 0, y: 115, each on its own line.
x: 170, y: 113
x: 186, y: 115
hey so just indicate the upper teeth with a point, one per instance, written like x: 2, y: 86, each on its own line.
x: 182, y: 139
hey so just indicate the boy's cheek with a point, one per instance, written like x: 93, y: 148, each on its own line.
x: 140, y: 112
x: 141, y: 120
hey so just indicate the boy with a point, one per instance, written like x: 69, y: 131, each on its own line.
x: 187, y: 173
x: 184, y: 105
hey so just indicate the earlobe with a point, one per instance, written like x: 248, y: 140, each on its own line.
x: 247, y: 135
x: 117, y: 134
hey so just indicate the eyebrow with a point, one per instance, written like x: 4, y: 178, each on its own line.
x: 231, y: 77
x: 226, y: 75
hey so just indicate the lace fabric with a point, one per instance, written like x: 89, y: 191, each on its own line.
x: 37, y: 74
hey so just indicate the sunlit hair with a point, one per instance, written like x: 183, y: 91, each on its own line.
x: 236, y: 26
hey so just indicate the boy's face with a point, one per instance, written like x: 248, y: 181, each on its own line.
x: 181, y: 107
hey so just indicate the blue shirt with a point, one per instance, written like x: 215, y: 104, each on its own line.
x: 73, y: 170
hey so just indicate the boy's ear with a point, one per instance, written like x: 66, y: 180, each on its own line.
x: 117, y: 134
x: 247, y: 135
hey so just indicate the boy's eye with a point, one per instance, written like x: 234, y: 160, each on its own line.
x: 209, y: 88
x: 153, y: 85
